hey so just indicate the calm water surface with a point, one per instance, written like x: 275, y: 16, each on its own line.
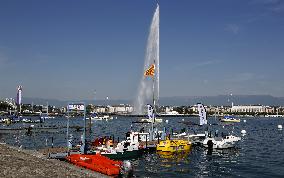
x: 260, y: 153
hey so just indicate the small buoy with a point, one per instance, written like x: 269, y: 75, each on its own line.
x: 279, y: 126
x: 245, y: 120
x: 182, y: 119
x: 127, y: 166
x: 167, y: 121
x: 243, y: 132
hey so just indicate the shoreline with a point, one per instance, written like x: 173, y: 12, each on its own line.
x: 16, y: 162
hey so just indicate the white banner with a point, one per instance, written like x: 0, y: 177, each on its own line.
x: 150, y: 111
x: 76, y: 107
x: 202, y: 114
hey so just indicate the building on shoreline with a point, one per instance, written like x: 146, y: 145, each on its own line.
x: 116, y: 109
x: 8, y: 107
x: 252, y: 109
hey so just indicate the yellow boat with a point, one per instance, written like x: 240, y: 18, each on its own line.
x: 173, y: 146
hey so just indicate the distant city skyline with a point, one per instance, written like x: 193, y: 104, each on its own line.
x: 87, y: 50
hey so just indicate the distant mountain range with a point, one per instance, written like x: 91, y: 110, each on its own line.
x: 224, y: 100
x: 180, y: 100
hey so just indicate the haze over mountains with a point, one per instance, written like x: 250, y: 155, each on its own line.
x: 179, y: 100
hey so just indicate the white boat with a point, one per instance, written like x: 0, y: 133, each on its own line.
x: 225, y: 142
x: 171, y: 113
x: 157, y: 120
x: 183, y: 134
x: 196, y: 139
x: 276, y: 115
x: 229, y: 119
x: 100, y: 118
x: 46, y: 117
x: 125, y: 149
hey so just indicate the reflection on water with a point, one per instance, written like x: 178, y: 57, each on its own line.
x: 175, y: 161
x: 259, y: 153
x: 174, y: 156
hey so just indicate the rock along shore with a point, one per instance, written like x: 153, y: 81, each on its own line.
x: 16, y: 162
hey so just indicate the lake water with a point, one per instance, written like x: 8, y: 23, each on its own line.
x: 260, y: 153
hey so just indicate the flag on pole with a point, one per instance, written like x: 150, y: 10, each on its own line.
x: 202, y: 114
x: 150, y: 111
x: 150, y: 71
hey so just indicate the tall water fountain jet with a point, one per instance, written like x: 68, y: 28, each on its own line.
x: 147, y: 90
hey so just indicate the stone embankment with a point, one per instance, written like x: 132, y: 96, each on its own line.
x: 15, y: 162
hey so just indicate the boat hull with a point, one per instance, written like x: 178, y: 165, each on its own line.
x: 173, y: 146
x: 230, y: 120
x: 221, y: 143
x: 157, y: 120
x: 96, y: 163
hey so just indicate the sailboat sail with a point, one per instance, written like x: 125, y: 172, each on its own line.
x: 202, y: 114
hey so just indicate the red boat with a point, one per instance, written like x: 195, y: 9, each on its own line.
x: 96, y: 163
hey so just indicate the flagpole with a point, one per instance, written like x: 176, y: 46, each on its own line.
x: 151, y: 72
x: 154, y: 104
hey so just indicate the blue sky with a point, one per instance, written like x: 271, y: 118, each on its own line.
x: 68, y: 49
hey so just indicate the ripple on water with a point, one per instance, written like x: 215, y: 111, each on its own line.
x: 259, y: 154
